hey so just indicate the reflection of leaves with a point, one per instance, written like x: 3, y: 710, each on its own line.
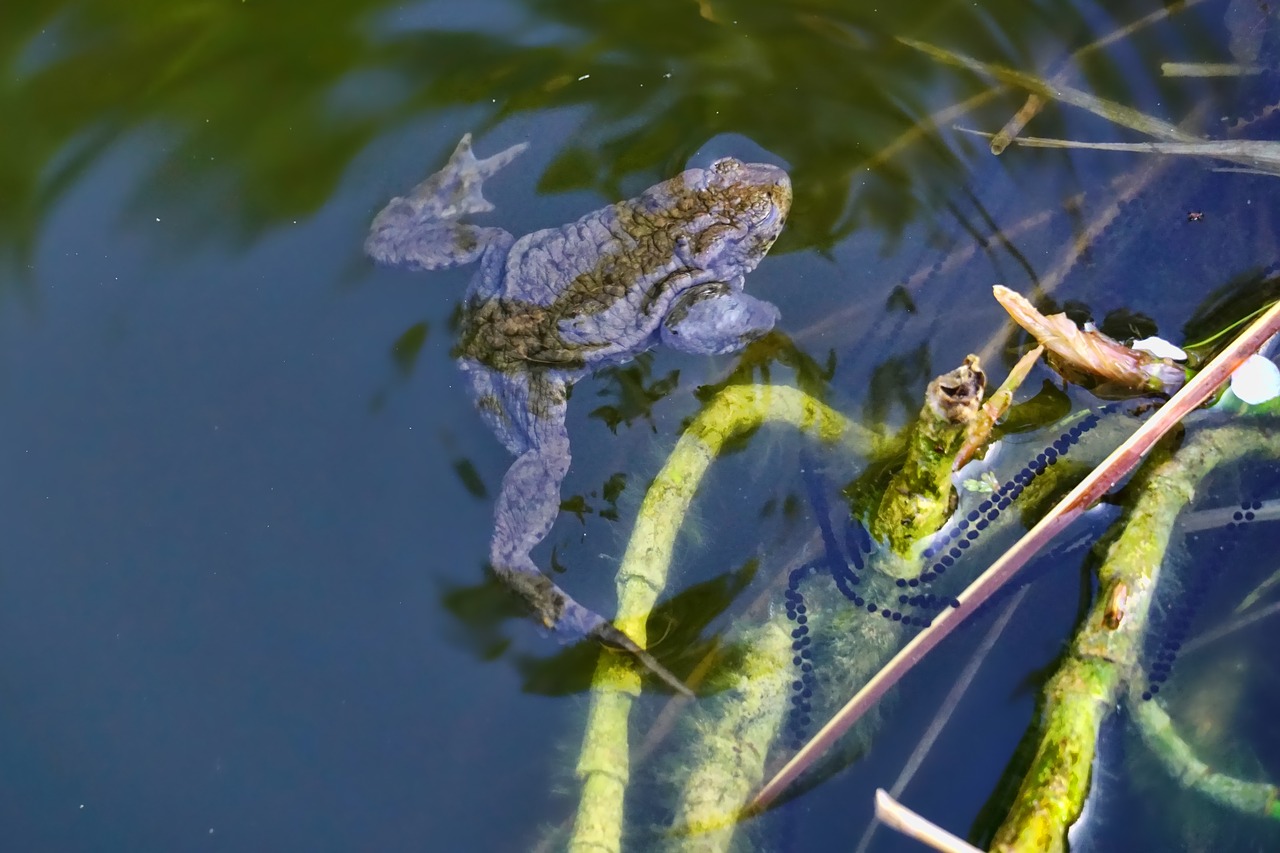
x: 266, y: 104
x: 574, y: 168
x: 1050, y: 405
x: 404, y: 352
x: 244, y: 90
x: 676, y: 631
x: 1226, y: 306
x: 470, y: 478
x: 612, y: 490
x: 900, y: 300
x: 791, y: 507
x: 1126, y: 325
x: 576, y: 505
x: 897, y: 380
x: 636, y: 394
x: 755, y: 363
x: 479, y: 610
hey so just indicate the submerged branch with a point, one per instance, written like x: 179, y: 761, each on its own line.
x: 1260, y: 155
x: 1034, y: 103
x: 742, y: 722
x: 918, y: 498
x: 1106, y: 650
x: 1160, y: 734
x: 1114, y: 112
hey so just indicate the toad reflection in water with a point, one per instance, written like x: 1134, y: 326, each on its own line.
x: 544, y: 310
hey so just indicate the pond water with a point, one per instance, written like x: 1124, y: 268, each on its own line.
x: 247, y: 500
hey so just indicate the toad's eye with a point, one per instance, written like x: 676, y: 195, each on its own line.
x: 759, y: 210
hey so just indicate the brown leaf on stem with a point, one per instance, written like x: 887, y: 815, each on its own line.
x: 994, y: 409
x: 1091, y: 353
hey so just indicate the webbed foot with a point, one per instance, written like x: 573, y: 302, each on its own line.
x: 420, y: 231
x: 559, y: 612
x: 455, y: 190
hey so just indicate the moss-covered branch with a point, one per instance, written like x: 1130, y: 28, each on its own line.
x: 727, y: 763
x: 919, y: 497
x: 1105, y: 653
x: 1161, y: 736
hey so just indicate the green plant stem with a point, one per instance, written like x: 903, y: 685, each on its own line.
x: 1179, y: 758
x: 1105, y: 652
x: 728, y: 758
x: 733, y: 737
x: 603, y: 762
x: 747, y: 725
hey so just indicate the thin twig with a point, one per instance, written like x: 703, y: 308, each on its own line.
x: 893, y: 814
x: 1244, y: 621
x: 1035, y: 103
x: 948, y: 707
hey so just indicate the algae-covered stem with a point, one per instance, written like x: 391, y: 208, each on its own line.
x: 732, y: 737
x: 918, y: 497
x: 603, y: 765
x: 1161, y: 736
x: 728, y: 760
x: 1105, y: 653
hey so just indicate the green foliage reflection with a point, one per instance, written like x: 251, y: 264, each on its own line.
x: 263, y: 105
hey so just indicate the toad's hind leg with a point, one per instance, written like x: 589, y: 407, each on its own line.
x: 527, y: 410
x: 421, y: 230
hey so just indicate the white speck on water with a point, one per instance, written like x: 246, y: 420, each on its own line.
x: 583, y: 77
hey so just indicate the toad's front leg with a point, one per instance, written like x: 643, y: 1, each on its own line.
x: 715, y: 318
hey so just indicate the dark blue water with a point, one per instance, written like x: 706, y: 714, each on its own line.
x: 245, y: 502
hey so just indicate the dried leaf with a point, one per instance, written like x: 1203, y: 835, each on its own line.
x: 1092, y: 353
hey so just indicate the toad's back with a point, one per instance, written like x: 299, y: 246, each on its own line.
x: 597, y: 289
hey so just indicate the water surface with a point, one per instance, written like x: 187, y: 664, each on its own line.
x: 246, y: 502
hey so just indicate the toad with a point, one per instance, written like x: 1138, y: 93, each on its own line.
x: 544, y: 310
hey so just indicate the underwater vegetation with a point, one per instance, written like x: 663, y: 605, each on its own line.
x: 785, y: 663
x: 884, y: 577
x: 911, y: 601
